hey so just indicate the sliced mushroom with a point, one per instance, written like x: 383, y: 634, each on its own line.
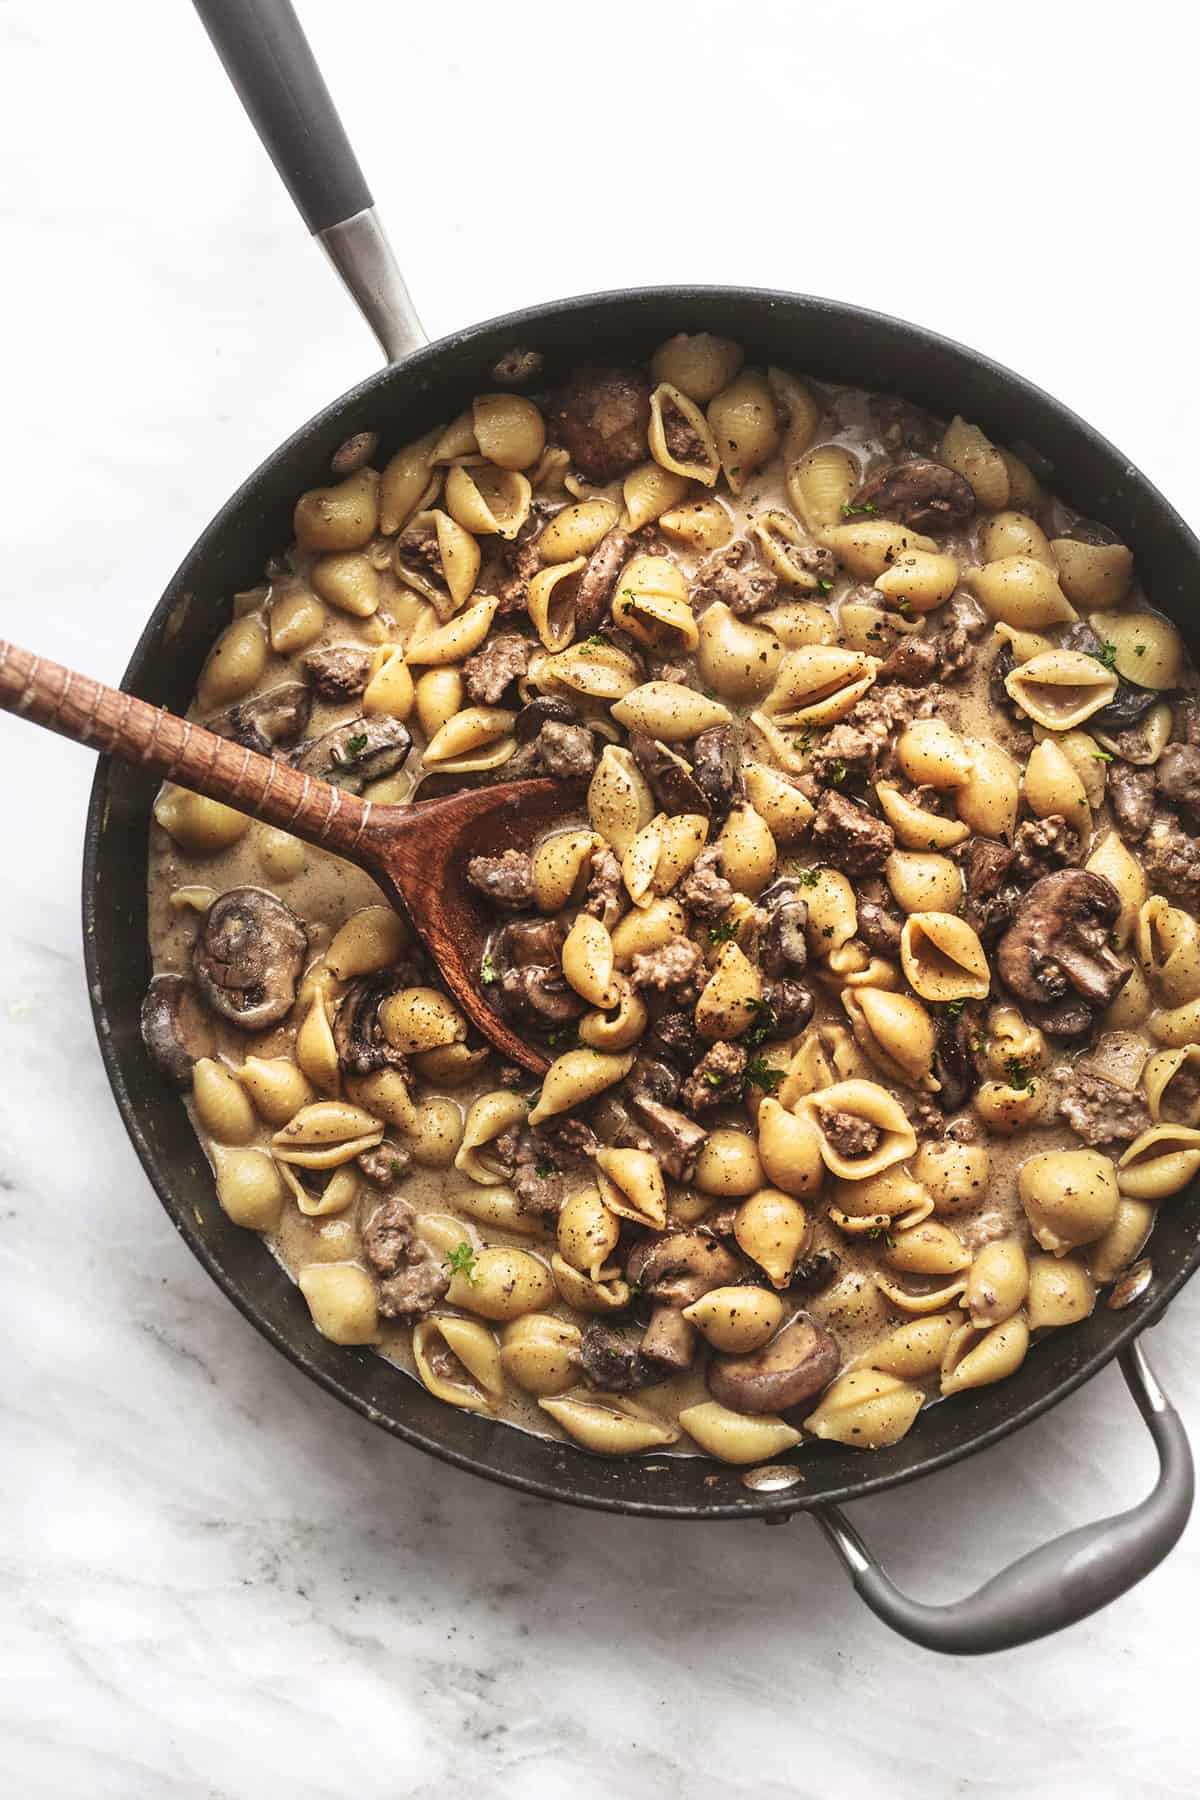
x: 1059, y: 943
x: 611, y: 1357
x: 798, y: 1362
x: 924, y: 495
x: 669, y: 1341
x: 788, y: 1007
x: 595, y: 590
x: 264, y: 720
x: 783, y: 947
x: 674, y: 1137
x: 546, y: 709
x: 357, y: 1034
x: 670, y: 776
x: 248, y: 957
x: 176, y: 1029
x: 358, y: 752
x: 532, y: 989
x: 680, y: 1267
x: 953, y: 1065
x: 717, y: 766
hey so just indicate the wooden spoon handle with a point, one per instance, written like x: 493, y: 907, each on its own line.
x: 120, y: 725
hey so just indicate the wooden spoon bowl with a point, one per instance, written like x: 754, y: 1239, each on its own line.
x: 418, y: 854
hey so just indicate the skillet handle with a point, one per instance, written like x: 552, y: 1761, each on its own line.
x: 1060, y: 1582
x: 268, y: 59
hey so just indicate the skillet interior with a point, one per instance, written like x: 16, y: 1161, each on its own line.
x: 818, y: 337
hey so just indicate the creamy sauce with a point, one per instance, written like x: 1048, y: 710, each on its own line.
x: 324, y: 891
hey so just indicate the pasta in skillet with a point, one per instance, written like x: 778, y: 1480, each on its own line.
x: 868, y: 972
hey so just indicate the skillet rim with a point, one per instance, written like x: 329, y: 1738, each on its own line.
x: 774, y: 1506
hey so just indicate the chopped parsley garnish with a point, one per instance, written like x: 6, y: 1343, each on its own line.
x: 397, y: 1169
x: 1019, y: 1075
x: 838, y: 773
x: 488, y: 972
x: 853, y: 508
x: 952, y: 1008
x: 764, y: 1023
x: 804, y: 741
x: 544, y: 1170
x: 763, y: 1074
x: 1106, y: 654
x: 356, y: 745
x: 722, y: 933
x: 461, y: 1261
x: 1102, y: 755
x: 904, y: 604
x: 809, y: 877
x: 826, y: 587
x: 714, y: 1078
x: 1140, y: 650
x: 564, y: 1035
x: 876, y: 634
x: 827, y: 931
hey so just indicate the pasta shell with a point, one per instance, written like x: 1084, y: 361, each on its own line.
x: 928, y: 1248
x: 466, y: 1346
x: 406, y: 482
x: 652, y: 605
x: 702, y: 524
x: 632, y: 1186
x: 435, y: 646
x: 819, y: 684
x: 915, y: 827
x: 651, y: 492
x: 468, y: 732
x: 868, y: 547
x: 914, y: 1350
x: 786, y: 811
x: 866, y: 1409
x: 587, y: 960
x: 942, y: 958
x: 896, y: 1032
x: 1061, y: 688
x: 681, y: 439
x: 732, y: 996
x: 575, y: 1078
x: 597, y: 671
x: 1159, y: 1162
x: 587, y: 1231
x: 611, y: 1424
x: 551, y: 602
x: 488, y: 501
x: 798, y: 409
x: 1022, y: 592
x: 669, y: 711
x: 1093, y: 574
x: 620, y: 803
x: 976, y: 1359
x: 487, y: 1119
x: 744, y: 426
x: 737, y: 1437
x: 1052, y: 785
x: 326, y: 1134
x: 771, y: 1228
x: 821, y: 485
x: 780, y: 539
x: 867, y: 1105
x: 919, y: 579
x: 1146, y: 648
x: 966, y: 450
x: 1181, y: 1106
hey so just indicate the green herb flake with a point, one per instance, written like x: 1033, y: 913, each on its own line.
x: 952, y: 1008
x: 809, y: 878
x: 1140, y: 650
x: 764, y: 1023
x: 839, y: 773
x: 1102, y: 755
x: 714, y: 1079
x: 826, y: 587
x: 827, y: 931
x: 544, y: 1170
x: 1107, y: 654
x: 356, y: 745
x: 461, y: 1261
x: 489, y: 974
x: 1019, y: 1075
x: 723, y: 933
x: 763, y: 1074
x: 854, y: 509
x: 397, y: 1169
x: 904, y: 604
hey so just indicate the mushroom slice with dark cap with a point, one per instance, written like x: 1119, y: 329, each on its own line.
x: 1059, y: 943
x: 611, y: 1357
x: 357, y: 1034
x: 682, y: 1266
x: 675, y: 1139
x: 783, y: 947
x: 176, y: 1028
x: 247, y: 959
x: 353, y: 754
x: 792, y: 1369
x: 924, y: 495
x: 669, y: 775
x: 264, y: 720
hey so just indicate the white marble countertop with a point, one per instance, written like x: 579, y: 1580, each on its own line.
x: 217, y: 1583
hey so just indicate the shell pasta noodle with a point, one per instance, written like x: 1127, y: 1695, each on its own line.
x: 864, y: 954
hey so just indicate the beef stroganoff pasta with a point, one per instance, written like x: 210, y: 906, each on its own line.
x: 868, y: 969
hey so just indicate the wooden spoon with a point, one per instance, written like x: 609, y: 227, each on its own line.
x: 418, y: 854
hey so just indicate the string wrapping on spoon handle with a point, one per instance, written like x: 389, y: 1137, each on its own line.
x: 118, y: 724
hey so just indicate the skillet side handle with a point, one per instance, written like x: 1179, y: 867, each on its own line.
x: 1060, y: 1582
x: 267, y: 57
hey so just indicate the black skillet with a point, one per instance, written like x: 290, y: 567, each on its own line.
x: 266, y: 55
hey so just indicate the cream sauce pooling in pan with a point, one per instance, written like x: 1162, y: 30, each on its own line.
x: 790, y: 625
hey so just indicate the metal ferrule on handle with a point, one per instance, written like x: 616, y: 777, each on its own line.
x: 1060, y: 1582
x: 268, y: 59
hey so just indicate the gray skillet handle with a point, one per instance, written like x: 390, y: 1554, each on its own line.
x: 1062, y: 1581
x: 267, y: 57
